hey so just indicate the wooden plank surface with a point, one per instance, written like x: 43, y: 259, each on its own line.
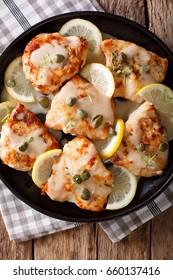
x: 10, y: 250
x: 77, y: 244
x: 153, y: 240
x: 131, y: 9
x: 160, y: 19
x: 162, y: 236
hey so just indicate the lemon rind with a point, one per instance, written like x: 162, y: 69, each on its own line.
x: 14, y: 63
x: 95, y: 66
x: 91, y: 26
x: 39, y: 161
x: 129, y: 197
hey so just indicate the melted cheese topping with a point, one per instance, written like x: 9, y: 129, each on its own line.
x: 35, y: 147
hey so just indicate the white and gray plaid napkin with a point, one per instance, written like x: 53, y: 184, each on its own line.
x: 23, y: 222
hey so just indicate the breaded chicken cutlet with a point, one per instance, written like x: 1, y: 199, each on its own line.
x: 50, y: 59
x: 132, y: 67
x: 79, y: 176
x: 144, y: 148
x: 23, y: 139
x: 80, y: 108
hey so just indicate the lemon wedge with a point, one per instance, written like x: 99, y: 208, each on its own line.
x: 123, y: 189
x: 99, y: 75
x: 5, y: 111
x: 43, y: 166
x: 16, y: 83
x: 85, y: 29
x: 107, y: 147
x: 160, y: 96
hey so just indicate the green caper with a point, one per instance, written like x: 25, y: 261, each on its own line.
x: 23, y: 147
x: 71, y: 101
x: 122, y: 58
x: 140, y: 147
x: 77, y: 179
x: 10, y: 83
x: 44, y: 101
x: 85, y: 175
x: 163, y: 147
x: 97, y: 121
x: 112, y: 131
x: 85, y: 194
x: 59, y: 58
x: 146, y: 68
x: 82, y: 113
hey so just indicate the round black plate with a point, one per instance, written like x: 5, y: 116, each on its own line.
x: 21, y: 184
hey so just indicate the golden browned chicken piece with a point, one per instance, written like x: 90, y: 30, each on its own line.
x: 23, y: 139
x: 144, y: 148
x: 133, y: 67
x: 80, y: 108
x: 79, y: 176
x: 49, y: 60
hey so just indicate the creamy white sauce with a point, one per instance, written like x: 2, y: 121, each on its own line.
x: 124, y: 108
x: 34, y: 107
x: 61, y: 186
x: 142, y: 58
x: 168, y: 124
x: 45, y: 56
x: 36, y: 147
x: 100, y: 58
x: 141, y: 55
x: 90, y: 99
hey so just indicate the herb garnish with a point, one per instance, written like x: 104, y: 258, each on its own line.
x: 148, y: 159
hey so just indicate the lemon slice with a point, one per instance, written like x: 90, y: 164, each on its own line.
x: 85, y: 29
x: 123, y: 188
x: 107, y: 147
x: 5, y: 111
x: 16, y: 83
x: 43, y: 167
x: 99, y: 75
x: 160, y: 96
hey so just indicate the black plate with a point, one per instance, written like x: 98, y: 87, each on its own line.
x: 21, y: 184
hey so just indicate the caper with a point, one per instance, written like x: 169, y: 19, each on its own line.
x: 140, y: 147
x: 163, y: 147
x: 44, y: 101
x: 77, y: 179
x: 85, y: 175
x: 146, y: 68
x: 23, y: 147
x: 71, y: 101
x: 122, y: 58
x: 97, y: 121
x: 82, y: 113
x: 59, y: 58
x: 85, y: 194
x: 31, y: 139
x: 10, y: 83
x: 112, y: 131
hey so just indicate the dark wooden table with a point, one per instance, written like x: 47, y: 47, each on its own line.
x: 153, y: 240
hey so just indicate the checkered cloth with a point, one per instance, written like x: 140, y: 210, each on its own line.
x: 23, y: 222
